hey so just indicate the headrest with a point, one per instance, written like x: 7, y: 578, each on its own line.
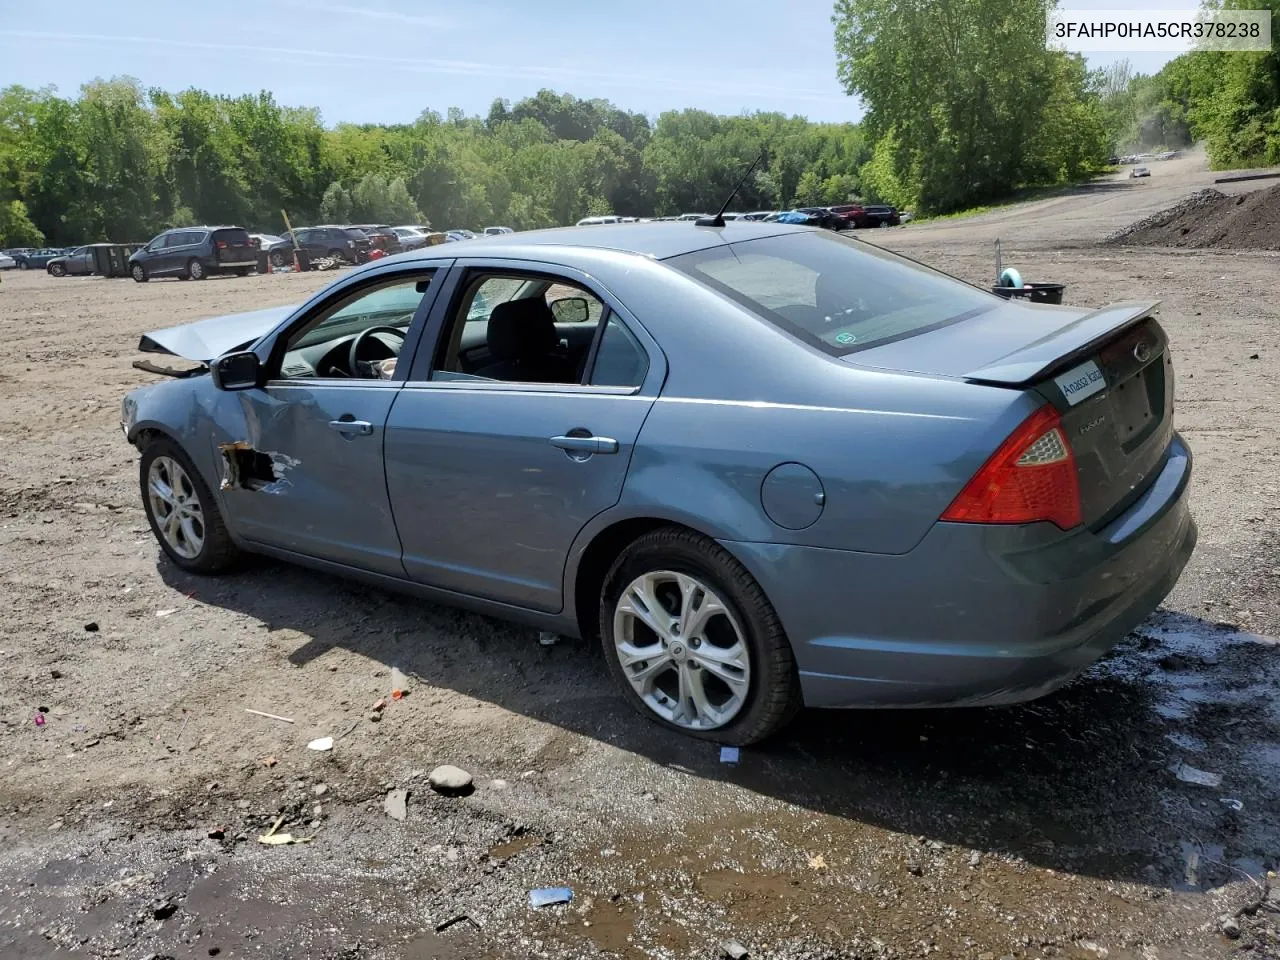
x: 520, y: 329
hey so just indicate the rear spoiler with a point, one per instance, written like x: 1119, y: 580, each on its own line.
x: 1064, y: 346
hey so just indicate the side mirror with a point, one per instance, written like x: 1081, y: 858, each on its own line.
x: 237, y: 371
x: 570, y: 310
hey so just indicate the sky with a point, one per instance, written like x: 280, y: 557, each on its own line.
x: 385, y: 61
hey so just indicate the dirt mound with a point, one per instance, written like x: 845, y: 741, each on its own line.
x: 1210, y: 219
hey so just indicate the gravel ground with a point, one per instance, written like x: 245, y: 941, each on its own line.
x: 129, y: 817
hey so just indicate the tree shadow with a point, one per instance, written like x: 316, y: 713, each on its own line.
x: 1076, y: 781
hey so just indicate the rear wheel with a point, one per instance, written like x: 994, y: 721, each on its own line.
x: 335, y: 254
x: 195, y: 270
x: 242, y: 271
x: 139, y: 273
x: 181, y: 510
x: 57, y: 270
x: 694, y: 643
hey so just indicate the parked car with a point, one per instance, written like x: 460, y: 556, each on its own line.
x: 1139, y: 172
x: 38, y: 258
x: 996, y: 514
x: 595, y: 221
x: 825, y: 218
x: 497, y: 231
x: 381, y: 237
x: 453, y: 236
x: 7, y: 262
x: 194, y: 253
x: 349, y: 244
x: 881, y: 215
x: 759, y: 214
x: 265, y: 241
x: 811, y: 217
x: 411, y: 238
x: 76, y: 263
x: 852, y: 213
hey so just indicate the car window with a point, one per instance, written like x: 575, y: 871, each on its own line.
x: 839, y: 295
x: 520, y: 329
x: 620, y: 359
x: 323, y: 341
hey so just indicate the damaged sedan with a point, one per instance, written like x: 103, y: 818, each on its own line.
x: 764, y: 466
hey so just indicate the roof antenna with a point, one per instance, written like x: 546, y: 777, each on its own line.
x: 718, y: 219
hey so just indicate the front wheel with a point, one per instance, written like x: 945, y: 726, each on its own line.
x: 139, y: 273
x: 694, y: 643
x: 195, y: 270
x: 57, y: 270
x: 336, y: 254
x: 181, y: 510
x: 23, y: 265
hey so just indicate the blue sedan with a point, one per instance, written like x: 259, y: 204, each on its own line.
x: 765, y: 466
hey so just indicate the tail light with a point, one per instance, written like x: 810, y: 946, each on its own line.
x: 1030, y: 477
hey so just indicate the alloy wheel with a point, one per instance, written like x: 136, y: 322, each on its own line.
x: 175, y: 505
x: 682, y: 650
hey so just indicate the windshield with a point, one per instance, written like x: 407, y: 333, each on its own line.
x: 837, y: 294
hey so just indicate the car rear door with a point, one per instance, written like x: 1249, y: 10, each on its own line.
x: 490, y: 480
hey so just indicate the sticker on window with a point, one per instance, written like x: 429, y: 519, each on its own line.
x: 845, y: 338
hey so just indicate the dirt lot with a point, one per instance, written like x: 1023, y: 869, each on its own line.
x: 129, y: 817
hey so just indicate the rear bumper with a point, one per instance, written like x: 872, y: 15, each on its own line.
x: 975, y: 615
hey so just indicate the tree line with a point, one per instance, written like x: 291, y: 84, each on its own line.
x: 1228, y: 101
x: 964, y: 105
x: 120, y: 162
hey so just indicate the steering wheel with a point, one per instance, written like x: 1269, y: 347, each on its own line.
x: 366, y: 367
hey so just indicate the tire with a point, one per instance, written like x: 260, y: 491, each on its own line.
x: 57, y: 270
x: 216, y: 551
x: 242, y: 271
x: 23, y: 265
x: 277, y: 259
x: 770, y: 694
x: 196, y: 270
x: 139, y: 273
x: 336, y: 254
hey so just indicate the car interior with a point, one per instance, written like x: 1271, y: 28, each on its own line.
x: 504, y: 327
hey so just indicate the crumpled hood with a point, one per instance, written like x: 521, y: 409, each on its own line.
x: 205, y: 340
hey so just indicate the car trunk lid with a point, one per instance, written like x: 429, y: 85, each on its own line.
x: 1108, y: 372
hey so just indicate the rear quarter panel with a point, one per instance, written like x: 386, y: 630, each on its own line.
x: 741, y: 397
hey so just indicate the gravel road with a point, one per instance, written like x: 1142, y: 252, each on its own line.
x: 129, y: 816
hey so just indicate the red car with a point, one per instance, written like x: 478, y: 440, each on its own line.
x: 852, y: 212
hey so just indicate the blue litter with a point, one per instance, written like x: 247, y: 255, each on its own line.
x: 546, y: 896
x: 728, y: 754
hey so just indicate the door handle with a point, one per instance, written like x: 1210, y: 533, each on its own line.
x: 586, y: 444
x: 358, y: 428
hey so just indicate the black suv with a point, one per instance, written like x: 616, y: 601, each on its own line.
x: 340, y: 243
x: 193, y: 253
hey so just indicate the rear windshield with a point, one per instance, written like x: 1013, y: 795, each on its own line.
x: 235, y: 235
x: 837, y: 294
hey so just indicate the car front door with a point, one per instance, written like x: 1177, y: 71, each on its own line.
x: 307, y: 474
x: 491, y: 479
x: 162, y: 257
